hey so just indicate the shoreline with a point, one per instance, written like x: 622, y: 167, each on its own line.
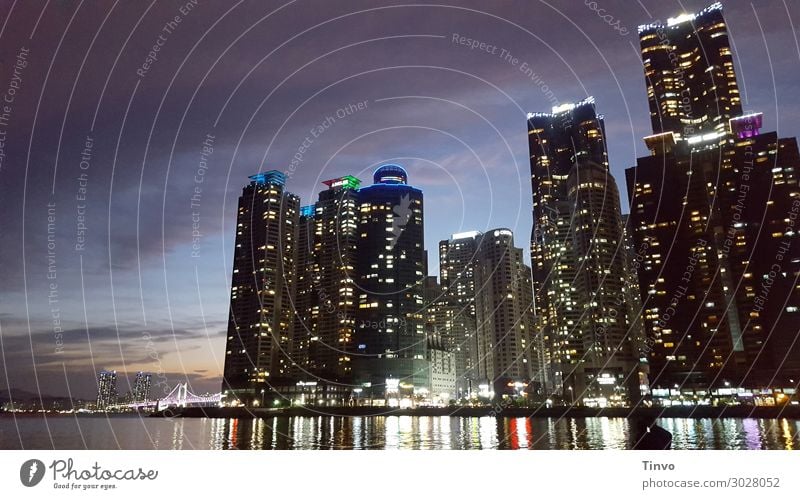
x: 697, y: 412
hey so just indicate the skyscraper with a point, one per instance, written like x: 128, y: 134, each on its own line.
x: 434, y: 308
x: 507, y: 345
x: 577, y: 253
x: 691, y: 83
x: 306, y: 304
x: 141, y: 387
x: 334, y: 289
x: 457, y: 259
x: 633, y: 300
x: 390, y: 269
x: 610, y: 344
x: 712, y: 220
x: 556, y: 140
x: 260, y: 327
x: 106, y: 389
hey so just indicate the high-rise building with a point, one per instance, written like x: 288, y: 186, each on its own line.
x: 691, y: 83
x: 507, y: 344
x: 141, y: 387
x: 333, y: 277
x: 306, y: 304
x: 260, y: 327
x: 390, y: 356
x: 633, y: 299
x: 457, y: 259
x: 713, y: 211
x: 578, y: 257
x: 434, y: 309
x: 609, y: 369
x: 106, y: 389
x: 713, y: 222
x: 556, y: 141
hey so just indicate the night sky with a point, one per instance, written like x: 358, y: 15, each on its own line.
x: 108, y: 142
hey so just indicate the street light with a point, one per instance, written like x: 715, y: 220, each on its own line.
x: 262, y: 397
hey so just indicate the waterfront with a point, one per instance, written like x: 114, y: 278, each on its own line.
x: 382, y: 432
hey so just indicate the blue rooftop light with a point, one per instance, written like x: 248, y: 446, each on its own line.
x: 274, y: 177
x: 390, y: 174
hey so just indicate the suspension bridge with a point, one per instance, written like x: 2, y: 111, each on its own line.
x: 180, y: 396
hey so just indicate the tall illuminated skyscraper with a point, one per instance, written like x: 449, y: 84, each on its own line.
x: 577, y: 256
x: 306, y: 306
x: 106, y: 389
x: 334, y: 256
x: 507, y: 345
x: 457, y: 259
x: 141, y: 387
x: 691, y: 82
x: 260, y: 327
x: 610, y: 365
x: 390, y: 268
x: 711, y: 220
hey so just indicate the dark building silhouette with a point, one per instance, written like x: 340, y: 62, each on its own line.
x: 434, y: 312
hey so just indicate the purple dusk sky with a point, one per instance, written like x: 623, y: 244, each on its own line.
x: 108, y: 140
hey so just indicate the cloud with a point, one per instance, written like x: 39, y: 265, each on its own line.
x: 73, y: 358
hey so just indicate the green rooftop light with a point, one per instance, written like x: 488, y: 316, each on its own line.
x: 346, y: 182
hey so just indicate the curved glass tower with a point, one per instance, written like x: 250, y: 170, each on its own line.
x: 390, y: 356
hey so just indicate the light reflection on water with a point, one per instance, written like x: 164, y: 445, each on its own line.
x: 389, y: 432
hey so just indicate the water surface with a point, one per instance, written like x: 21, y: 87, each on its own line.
x: 381, y: 432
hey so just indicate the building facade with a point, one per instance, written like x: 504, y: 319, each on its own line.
x: 713, y: 211
x: 609, y: 370
x: 458, y: 257
x: 141, y: 387
x: 689, y: 72
x: 106, y: 389
x: 306, y: 304
x: 442, y: 362
x: 261, y: 320
x: 332, y: 276
x: 507, y: 344
x: 578, y: 258
x: 390, y: 361
x: 720, y: 259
